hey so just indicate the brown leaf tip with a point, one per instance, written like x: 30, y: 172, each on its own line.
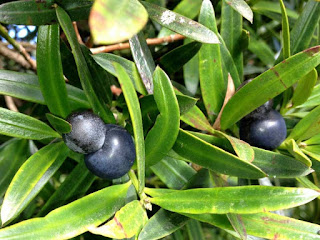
x: 313, y: 50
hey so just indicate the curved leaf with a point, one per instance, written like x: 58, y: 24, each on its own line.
x: 113, y: 21
x: 49, y: 69
x: 83, y: 70
x: 59, y: 124
x: 12, y: 155
x: 180, y: 24
x: 30, y: 12
x: 93, y: 210
x: 126, y: 223
x: 162, y: 136
x: 106, y: 61
x: 30, y: 179
x: 268, y: 85
x: 294, y: 149
x: 243, y: 200
x: 132, y: 101
x: 195, y: 150
x: 242, y: 7
x: 23, y: 126
x: 212, y: 82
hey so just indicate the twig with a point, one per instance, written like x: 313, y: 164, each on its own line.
x: 75, y: 26
x: 150, y: 41
x: 18, y: 47
x: 11, y: 54
x: 10, y: 103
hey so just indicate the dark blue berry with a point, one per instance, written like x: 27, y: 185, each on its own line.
x: 266, y: 131
x: 88, y: 132
x: 116, y: 156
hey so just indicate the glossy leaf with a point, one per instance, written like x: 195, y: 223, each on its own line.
x: 195, y: 150
x: 265, y: 225
x: 30, y: 12
x: 61, y: 125
x: 180, y: 24
x: 294, y: 149
x: 13, y: 153
x: 74, y: 186
x: 31, y: 178
x: 143, y: 59
x: 191, y: 72
x: 268, y: 85
x: 272, y: 163
x: 135, y: 115
x: 26, y: 86
x: 83, y: 70
x: 212, y: 82
x: 242, y: 7
x: 172, y: 61
x: 304, y: 88
x: 16, y: 124
x: 242, y: 200
x: 162, y: 224
x: 49, y: 69
x: 174, y: 173
x: 307, y: 127
x: 106, y: 61
x: 126, y: 223
x: 113, y: 21
x: 93, y: 210
x: 162, y: 136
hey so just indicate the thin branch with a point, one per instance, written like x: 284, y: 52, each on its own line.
x: 75, y: 26
x: 150, y: 41
x: 18, y: 47
x: 17, y: 57
x: 10, y: 103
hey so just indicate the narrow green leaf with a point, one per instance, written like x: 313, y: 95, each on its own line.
x: 194, y: 230
x: 102, y: 79
x: 180, y: 24
x: 262, y: 50
x: 163, y: 135
x: 74, y: 186
x: 195, y: 118
x: 31, y: 178
x: 126, y: 223
x: 266, y: 225
x: 212, y: 82
x: 242, y: 7
x: 132, y: 101
x: 93, y: 210
x: 26, y: 86
x: 106, y: 61
x: 143, y: 59
x: 191, y: 72
x: 268, y: 85
x: 304, y: 88
x: 312, y: 151
x: 172, y: 61
x: 231, y: 29
x: 23, y: 126
x: 174, y: 173
x: 315, y: 140
x: 209, y: 156
x: 83, y: 70
x: 313, y: 100
x: 30, y: 12
x: 285, y: 32
x: 307, y: 127
x: 272, y: 163
x: 61, y: 125
x: 294, y: 149
x: 237, y: 224
x: 49, y: 69
x: 162, y: 224
x: 13, y: 153
x: 113, y: 21
x: 268, y: 8
x: 242, y: 200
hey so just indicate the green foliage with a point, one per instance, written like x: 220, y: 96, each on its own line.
x: 191, y: 167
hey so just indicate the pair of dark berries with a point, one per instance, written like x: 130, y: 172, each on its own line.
x: 264, y: 127
x: 109, y: 149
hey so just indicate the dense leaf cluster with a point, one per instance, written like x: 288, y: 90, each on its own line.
x: 193, y: 177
